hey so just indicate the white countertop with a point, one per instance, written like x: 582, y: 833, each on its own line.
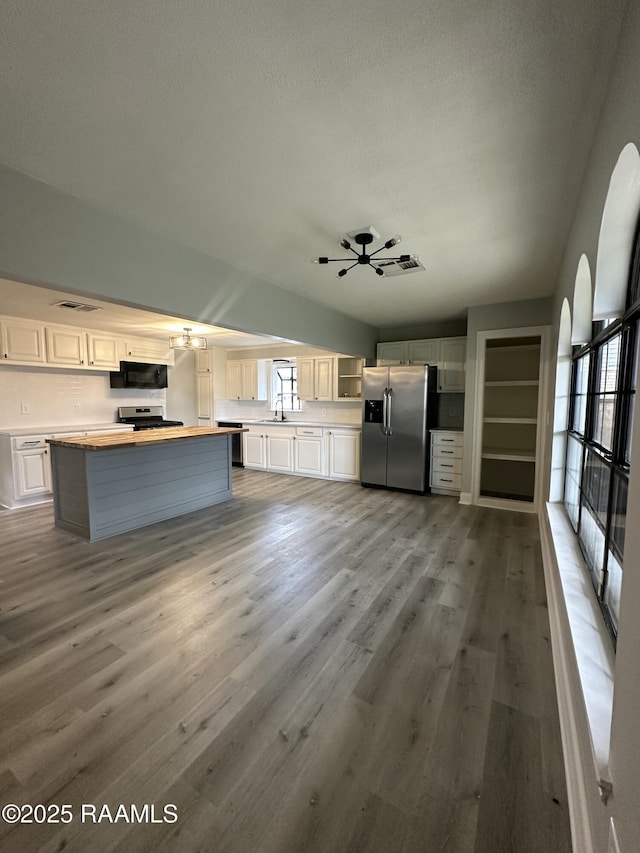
x: 267, y: 422
x: 70, y: 428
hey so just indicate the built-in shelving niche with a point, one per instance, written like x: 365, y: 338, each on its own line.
x: 510, y: 418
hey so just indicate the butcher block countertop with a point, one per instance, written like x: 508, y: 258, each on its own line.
x: 141, y: 438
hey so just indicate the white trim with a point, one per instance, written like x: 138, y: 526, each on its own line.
x: 576, y: 793
x: 465, y: 498
x: 582, y: 654
x: 542, y: 416
x: 507, y: 503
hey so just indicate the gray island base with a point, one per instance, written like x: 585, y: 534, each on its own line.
x: 105, y: 485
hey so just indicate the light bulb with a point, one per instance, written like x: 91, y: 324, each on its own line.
x: 345, y: 243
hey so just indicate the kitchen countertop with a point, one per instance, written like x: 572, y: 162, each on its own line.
x: 447, y: 429
x: 41, y: 430
x: 267, y: 422
x: 141, y: 438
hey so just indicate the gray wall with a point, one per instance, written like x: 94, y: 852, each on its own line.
x: 619, y: 125
x: 417, y: 331
x: 52, y: 238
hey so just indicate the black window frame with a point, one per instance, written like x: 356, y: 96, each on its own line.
x: 594, y: 455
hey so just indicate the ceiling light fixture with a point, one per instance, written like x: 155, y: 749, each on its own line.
x: 188, y: 341
x: 364, y: 239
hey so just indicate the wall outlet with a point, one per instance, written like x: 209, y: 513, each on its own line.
x: 25, y: 408
x: 77, y: 408
x: 324, y: 413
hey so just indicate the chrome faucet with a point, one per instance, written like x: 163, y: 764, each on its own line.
x: 275, y: 409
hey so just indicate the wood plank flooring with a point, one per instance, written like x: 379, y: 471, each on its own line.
x: 311, y: 667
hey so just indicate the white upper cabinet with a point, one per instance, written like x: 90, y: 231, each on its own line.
x: 347, y: 378
x: 315, y: 378
x: 409, y: 352
x: 102, y: 351
x: 22, y: 340
x: 424, y: 352
x: 247, y: 380
x: 451, y: 365
x: 203, y: 361
x: 393, y: 352
x: 448, y: 354
x: 27, y: 342
x: 148, y: 351
x: 234, y: 380
x: 66, y: 346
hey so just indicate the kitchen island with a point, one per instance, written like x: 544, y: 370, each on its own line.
x: 107, y: 484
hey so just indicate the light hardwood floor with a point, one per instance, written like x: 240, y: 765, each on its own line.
x: 311, y: 667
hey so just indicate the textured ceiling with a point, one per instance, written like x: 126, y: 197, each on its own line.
x: 259, y: 132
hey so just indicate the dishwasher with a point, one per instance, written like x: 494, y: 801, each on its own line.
x: 236, y: 443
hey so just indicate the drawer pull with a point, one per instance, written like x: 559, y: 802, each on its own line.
x: 444, y: 465
x: 444, y: 480
x: 448, y: 451
x: 447, y: 439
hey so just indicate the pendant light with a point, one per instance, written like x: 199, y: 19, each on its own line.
x: 187, y: 341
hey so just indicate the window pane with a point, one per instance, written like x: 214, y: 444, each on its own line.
x: 580, y: 394
x: 619, y: 514
x: 632, y: 401
x: 572, y: 480
x: 604, y: 404
x: 613, y: 588
x: 592, y: 541
x: 595, y: 486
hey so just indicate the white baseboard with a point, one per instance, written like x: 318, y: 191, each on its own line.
x: 578, y: 804
x: 465, y: 498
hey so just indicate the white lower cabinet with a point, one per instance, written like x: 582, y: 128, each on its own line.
x: 25, y: 465
x: 253, y: 455
x: 344, y: 454
x: 279, y: 452
x: 32, y: 472
x: 308, y: 451
x: 446, y: 462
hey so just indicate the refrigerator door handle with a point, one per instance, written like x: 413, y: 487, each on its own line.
x: 389, y: 398
x: 384, y: 411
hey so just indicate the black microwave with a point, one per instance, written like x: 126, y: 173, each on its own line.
x: 135, y: 375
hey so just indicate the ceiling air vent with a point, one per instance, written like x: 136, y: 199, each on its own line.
x: 76, y: 306
x: 391, y: 268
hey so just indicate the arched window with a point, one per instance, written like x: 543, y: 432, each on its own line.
x: 617, y: 232
x: 602, y: 397
x: 582, y: 304
x: 561, y: 408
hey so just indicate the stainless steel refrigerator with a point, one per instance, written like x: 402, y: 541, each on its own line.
x: 398, y: 409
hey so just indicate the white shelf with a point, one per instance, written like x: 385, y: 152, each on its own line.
x: 510, y: 420
x: 512, y: 383
x: 514, y: 348
x: 508, y: 454
x: 350, y: 376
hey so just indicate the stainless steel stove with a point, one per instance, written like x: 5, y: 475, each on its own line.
x: 145, y: 417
